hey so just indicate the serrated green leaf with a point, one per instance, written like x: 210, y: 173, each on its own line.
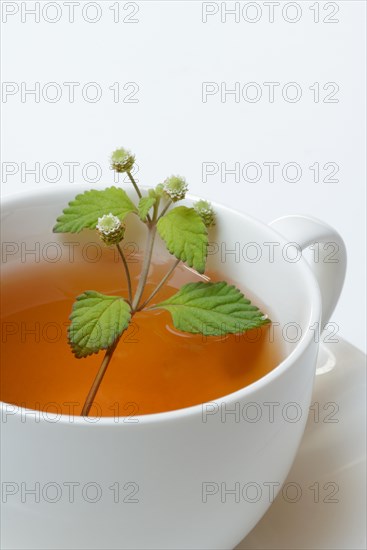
x: 212, y: 309
x: 185, y: 235
x: 145, y: 204
x: 97, y: 320
x: 84, y: 211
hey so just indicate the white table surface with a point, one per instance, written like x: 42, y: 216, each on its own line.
x: 168, y: 53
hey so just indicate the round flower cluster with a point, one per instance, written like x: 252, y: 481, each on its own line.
x: 175, y: 187
x: 122, y: 160
x: 206, y: 212
x: 110, y: 229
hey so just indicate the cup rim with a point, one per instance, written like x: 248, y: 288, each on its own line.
x: 177, y: 414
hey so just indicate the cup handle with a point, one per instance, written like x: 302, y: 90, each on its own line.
x: 328, y: 261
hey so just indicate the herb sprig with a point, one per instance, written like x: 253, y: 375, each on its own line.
x: 209, y: 308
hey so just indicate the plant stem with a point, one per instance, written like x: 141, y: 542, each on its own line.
x: 127, y: 273
x: 165, y: 208
x: 145, y: 269
x: 137, y: 190
x: 134, y: 184
x: 139, y: 291
x: 134, y: 303
x: 155, y: 209
x: 152, y: 230
x: 159, y: 286
x: 98, y: 379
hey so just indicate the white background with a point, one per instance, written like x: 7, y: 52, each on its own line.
x: 168, y: 53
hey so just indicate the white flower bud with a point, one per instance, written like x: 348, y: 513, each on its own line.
x: 110, y: 229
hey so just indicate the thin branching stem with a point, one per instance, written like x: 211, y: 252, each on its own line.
x: 123, y: 258
x: 159, y: 286
x: 133, y: 302
x: 164, y: 210
x: 146, y: 265
x: 134, y: 184
x: 98, y: 379
x: 136, y: 187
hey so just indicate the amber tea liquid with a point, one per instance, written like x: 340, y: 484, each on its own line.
x: 155, y: 368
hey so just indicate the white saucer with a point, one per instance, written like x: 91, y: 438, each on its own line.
x: 333, y: 452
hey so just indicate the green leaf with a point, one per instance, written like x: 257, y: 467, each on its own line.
x: 84, y: 211
x: 157, y: 192
x: 212, y: 309
x: 145, y: 204
x: 185, y: 235
x: 97, y: 320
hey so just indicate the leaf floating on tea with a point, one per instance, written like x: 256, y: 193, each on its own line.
x: 212, y: 309
x: 185, y: 235
x: 83, y: 212
x: 97, y: 320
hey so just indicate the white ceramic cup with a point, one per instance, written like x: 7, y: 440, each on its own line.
x: 196, y: 478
